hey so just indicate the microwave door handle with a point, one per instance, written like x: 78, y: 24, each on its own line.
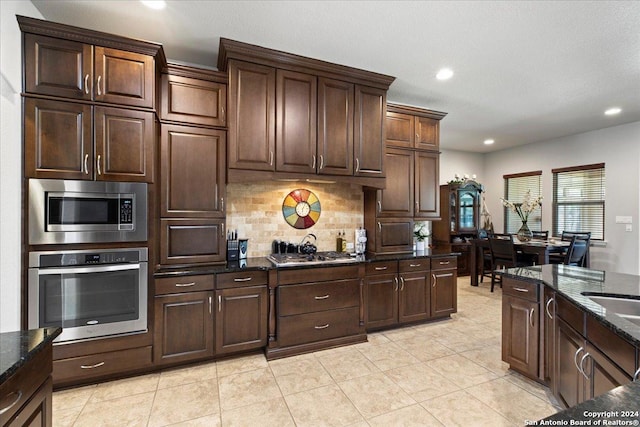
x: 90, y: 269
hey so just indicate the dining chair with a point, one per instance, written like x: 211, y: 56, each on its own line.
x: 567, y: 236
x: 503, y: 254
x: 485, y: 264
x: 576, y: 253
x: 540, y: 235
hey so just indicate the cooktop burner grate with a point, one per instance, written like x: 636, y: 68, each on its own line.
x: 281, y: 260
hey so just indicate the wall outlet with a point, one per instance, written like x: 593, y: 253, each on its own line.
x: 628, y: 227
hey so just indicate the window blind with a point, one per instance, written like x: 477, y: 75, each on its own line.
x: 578, y: 200
x: 515, y: 187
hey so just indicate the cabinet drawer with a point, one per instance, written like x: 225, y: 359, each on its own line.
x: 241, y: 278
x: 172, y: 285
x: 520, y: 289
x: 23, y: 384
x: 303, y: 275
x: 420, y: 264
x: 320, y: 326
x: 444, y: 263
x: 99, y: 365
x: 381, y: 267
x: 571, y: 314
x: 612, y: 345
x: 313, y: 297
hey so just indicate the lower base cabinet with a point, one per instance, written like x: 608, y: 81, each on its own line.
x: 241, y: 319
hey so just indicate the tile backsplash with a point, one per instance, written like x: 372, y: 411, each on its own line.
x: 255, y: 210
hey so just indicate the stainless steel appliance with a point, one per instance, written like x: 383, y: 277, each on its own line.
x: 291, y: 260
x: 66, y: 211
x: 89, y: 293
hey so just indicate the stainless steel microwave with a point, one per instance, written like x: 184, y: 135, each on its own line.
x: 66, y: 211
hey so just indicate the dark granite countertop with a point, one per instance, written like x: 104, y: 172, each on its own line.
x: 576, y: 284
x: 262, y: 263
x: 17, y: 348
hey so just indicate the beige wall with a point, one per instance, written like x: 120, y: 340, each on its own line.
x: 255, y: 210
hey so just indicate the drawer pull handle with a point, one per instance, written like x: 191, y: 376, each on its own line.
x: 582, y: 368
x: 357, y: 165
x: 396, y: 280
x: 98, y: 85
x: 636, y: 376
x: 185, y: 285
x: 322, y: 327
x: 401, y: 284
x: 444, y: 275
x: 313, y: 166
x: 521, y: 290
x: 271, y: 158
x: 243, y: 279
x: 210, y: 305
x: 321, y: 162
x: 415, y: 265
x: 547, y: 308
x: 86, y: 84
x: 445, y: 262
x: 97, y: 365
x: 531, y: 316
x: 98, y: 164
x: 381, y: 268
x: 219, y: 303
x: 86, y: 166
x: 12, y: 404
x: 322, y: 297
x: 435, y: 279
x: 379, y: 206
x: 575, y: 358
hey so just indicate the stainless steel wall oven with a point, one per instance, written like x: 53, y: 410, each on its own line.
x: 89, y: 293
x: 67, y: 211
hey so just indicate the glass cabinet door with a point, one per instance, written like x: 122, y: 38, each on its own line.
x: 467, y: 210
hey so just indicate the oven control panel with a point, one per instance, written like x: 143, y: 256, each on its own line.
x: 79, y: 258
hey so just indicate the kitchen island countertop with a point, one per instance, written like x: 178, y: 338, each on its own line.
x: 17, y: 348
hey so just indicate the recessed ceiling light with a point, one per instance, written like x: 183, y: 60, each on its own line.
x: 613, y: 111
x: 444, y: 74
x: 154, y: 4
x: 488, y: 141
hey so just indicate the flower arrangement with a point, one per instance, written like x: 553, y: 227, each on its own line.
x: 524, y: 209
x: 421, y: 231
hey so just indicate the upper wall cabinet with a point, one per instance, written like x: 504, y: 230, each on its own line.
x: 76, y: 70
x: 291, y: 116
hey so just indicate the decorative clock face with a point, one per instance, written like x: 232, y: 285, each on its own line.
x: 301, y: 208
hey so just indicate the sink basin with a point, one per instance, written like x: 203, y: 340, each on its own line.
x: 627, y: 308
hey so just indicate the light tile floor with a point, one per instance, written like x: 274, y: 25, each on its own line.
x: 446, y: 373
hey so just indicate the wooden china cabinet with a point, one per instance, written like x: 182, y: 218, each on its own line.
x: 460, y: 211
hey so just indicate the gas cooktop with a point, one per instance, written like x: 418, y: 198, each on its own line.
x: 290, y: 260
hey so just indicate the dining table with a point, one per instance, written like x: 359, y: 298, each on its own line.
x: 539, y: 248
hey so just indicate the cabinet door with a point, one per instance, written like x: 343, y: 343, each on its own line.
x: 192, y: 172
x: 335, y: 127
x: 57, y: 67
x: 603, y: 375
x: 123, y: 77
x: 57, y: 139
x: 37, y: 412
x: 124, y: 141
x: 396, y: 199
x: 427, y: 189
x: 393, y: 235
x: 444, y: 293
x: 193, y: 101
x: 414, y: 296
x: 520, y: 334
x: 427, y: 133
x: 569, y: 349
x: 241, y: 319
x: 549, y: 315
x: 252, y: 106
x: 399, y: 130
x: 183, y: 328
x: 192, y: 241
x: 381, y: 300
x: 370, y: 112
x: 296, y: 117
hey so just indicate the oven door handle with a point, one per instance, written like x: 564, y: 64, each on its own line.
x: 90, y: 269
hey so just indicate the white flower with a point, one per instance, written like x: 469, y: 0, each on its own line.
x: 527, y: 206
x: 421, y: 231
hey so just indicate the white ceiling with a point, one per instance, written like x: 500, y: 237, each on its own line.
x: 524, y: 71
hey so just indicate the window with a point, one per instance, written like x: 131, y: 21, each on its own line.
x: 578, y: 200
x: 515, y: 187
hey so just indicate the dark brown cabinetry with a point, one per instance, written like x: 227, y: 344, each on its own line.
x: 460, y: 212
x: 25, y: 396
x: 241, y: 311
x: 399, y: 292
x: 317, y: 314
x: 193, y: 166
x: 412, y: 177
x: 521, y: 326
x: 290, y: 115
x: 183, y: 327
x: 412, y: 127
